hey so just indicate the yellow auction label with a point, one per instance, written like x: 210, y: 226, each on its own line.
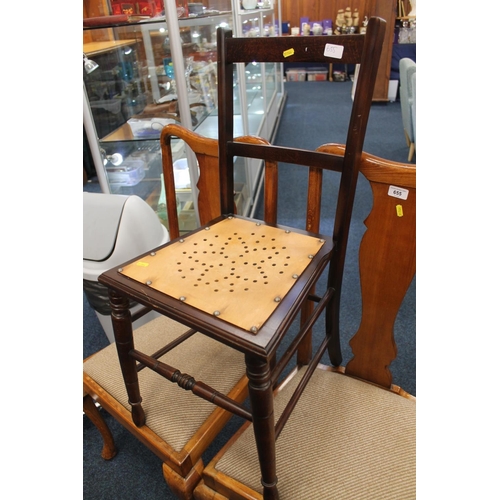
x: 288, y: 53
x: 399, y: 210
x: 142, y: 264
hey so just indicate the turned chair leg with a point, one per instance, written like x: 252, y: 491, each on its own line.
x: 90, y: 409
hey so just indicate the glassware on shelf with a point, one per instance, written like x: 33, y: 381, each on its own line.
x: 188, y: 68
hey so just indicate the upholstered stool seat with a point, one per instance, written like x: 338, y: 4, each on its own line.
x: 362, y: 438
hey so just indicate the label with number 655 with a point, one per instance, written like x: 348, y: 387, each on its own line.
x: 334, y: 51
x: 398, y: 192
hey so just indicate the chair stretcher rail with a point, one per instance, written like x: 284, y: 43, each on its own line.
x: 300, y: 388
x: 188, y: 383
x: 179, y: 340
x: 292, y: 349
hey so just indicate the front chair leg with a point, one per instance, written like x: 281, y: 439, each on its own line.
x: 124, y: 341
x: 260, y: 392
x: 90, y: 409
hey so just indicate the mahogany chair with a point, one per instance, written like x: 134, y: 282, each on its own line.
x: 353, y: 433
x: 241, y: 281
x: 177, y: 433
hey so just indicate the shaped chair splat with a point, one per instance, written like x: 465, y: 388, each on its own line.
x: 387, y: 265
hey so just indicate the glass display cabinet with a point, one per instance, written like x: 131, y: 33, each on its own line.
x: 142, y: 72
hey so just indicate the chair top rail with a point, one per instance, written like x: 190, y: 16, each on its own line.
x: 341, y: 49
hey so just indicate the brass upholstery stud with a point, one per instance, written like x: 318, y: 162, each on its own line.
x: 207, y: 228
x: 254, y: 329
x: 153, y: 253
x: 287, y: 231
x: 277, y: 299
x: 311, y: 256
x: 120, y: 270
x: 181, y: 240
x: 295, y: 276
x: 149, y: 282
x: 216, y: 313
x: 182, y: 298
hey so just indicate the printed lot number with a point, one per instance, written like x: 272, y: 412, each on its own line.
x: 398, y: 192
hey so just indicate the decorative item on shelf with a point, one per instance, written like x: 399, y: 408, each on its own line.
x: 295, y: 31
x: 346, y: 22
x: 339, y: 21
x: 182, y: 8
x: 147, y: 8
x: 362, y: 29
x: 195, y: 8
x: 303, y: 22
x: 408, y: 33
x: 317, y: 29
x: 249, y: 4
x: 413, y: 31
x: 306, y: 29
x: 348, y: 17
x: 355, y: 18
x: 168, y: 67
x: 339, y: 76
x: 327, y: 26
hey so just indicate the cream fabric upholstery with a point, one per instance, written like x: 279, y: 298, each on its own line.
x: 175, y: 424
x: 360, y: 441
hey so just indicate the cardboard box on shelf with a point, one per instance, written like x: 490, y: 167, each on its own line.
x: 317, y: 74
x: 296, y: 75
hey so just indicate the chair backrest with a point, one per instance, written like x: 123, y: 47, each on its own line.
x: 207, y: 156
x: 387, y: 264
x: 344, y: 49
x: 406, y: 69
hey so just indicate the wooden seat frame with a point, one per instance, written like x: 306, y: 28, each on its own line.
x: 259, y: 343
